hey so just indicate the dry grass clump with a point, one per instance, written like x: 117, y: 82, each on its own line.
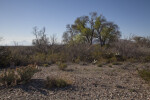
x: 52, y: 82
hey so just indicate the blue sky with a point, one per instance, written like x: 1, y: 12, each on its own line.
x: 18, y: 17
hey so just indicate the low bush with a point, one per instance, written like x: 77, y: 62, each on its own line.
x: 26, y: 73
x: 52, y: 82
x: 145, y: 74
x: 9, y: 78
x: 12, y: 77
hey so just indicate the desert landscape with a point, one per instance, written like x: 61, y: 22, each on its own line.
x: 74, y: 50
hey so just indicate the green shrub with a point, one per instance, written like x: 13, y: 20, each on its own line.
x: 145, y: 74
x: 62, y: 66
x: 52, y: 82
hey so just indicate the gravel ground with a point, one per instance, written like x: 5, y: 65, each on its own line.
x: 119, y: 82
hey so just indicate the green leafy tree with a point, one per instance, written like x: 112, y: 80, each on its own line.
x: 70, y: 33
x: 85, y: 25
x: 106, y: 32
x: 90, y: 28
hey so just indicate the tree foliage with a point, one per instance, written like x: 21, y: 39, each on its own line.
x: 90, y: 28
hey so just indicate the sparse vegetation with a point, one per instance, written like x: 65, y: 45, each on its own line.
x: 90, y: 39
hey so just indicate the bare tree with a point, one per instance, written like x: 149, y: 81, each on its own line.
x: 15, y: 43
x: 41, y: 41
x: 53, y: 39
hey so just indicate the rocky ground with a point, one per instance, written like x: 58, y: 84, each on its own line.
x: 89, y: 82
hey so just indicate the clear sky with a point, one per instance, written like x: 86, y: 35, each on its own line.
x: 18, y: 17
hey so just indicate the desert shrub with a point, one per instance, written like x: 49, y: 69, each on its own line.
x: 129, y: 48
x: 12, y: 77
x: 39, y: 58
x: 97, y: 52
x: 52, y: 82
x: 56, y: 57
x: 5, y: 57
x: 26, y: 73
x: 62, y: 66
x: 145, y: 74
x: 9, y: 78
x: 22, y: 55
